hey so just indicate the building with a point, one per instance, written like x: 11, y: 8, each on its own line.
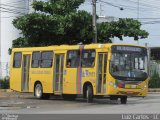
x: 10, y: 9
x: 154, y: 60
x: 106, y: 19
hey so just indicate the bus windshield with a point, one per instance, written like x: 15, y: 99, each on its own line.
x: 129, y: 65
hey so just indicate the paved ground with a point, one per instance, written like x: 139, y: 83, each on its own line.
x: 27, y: 104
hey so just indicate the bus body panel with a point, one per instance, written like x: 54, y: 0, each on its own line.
x: 140, y: 89
x: 73, y: 79
x: 89, y: 76
x: 44, y: 76
x: 70, y: 81
x: 15, y: 76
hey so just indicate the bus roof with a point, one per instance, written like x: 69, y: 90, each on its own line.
x: 66, y: 47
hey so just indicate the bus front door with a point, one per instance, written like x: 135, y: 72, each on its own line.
x: 25, y: 73
x: 102, y: 67
x: 58, y: 73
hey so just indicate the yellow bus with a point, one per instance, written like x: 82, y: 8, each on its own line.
x: 91, y: 71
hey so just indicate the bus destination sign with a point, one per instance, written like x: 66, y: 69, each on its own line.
x: 126, y: 49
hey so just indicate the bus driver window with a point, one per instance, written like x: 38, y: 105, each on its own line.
x: 69, y: 63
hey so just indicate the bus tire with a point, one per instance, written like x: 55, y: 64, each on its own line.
x: 124, y: 100
x: 38, y: 91
x: 89, y: 94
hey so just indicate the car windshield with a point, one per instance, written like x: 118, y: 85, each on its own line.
x: 129, y: 65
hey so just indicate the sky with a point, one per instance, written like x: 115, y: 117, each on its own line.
x: 148, y: 13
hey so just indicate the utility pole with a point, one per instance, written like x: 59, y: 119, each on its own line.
x: 138, y: 16
x: 149, y: 58
x: 101, y: 10
x: 137, y: 9
x: 94, y: 21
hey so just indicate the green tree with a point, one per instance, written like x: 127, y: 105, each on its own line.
x: 124, y: 27
x: 4, y: 84
x: 59, y: 22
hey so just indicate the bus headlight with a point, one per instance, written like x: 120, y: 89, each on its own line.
x: 144, y: 87
x: 115, y: 86
x: 112, y: 84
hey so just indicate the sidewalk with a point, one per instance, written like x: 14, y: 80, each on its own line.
x: 12, y: 94
x: 154, y: 90
x: 7, y: 93
x: 6, y: 90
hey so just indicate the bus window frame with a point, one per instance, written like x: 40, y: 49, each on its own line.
x: 124, y: 78
x: 94, y: 59
x: 39, y: 61
x: 47, y: 59
x: 68, y: 59
x: 13, y: 65
x: 80, y: 58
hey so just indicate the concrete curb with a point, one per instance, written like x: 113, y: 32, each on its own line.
x: 149, y: 90
x: 15, y: 95
x: 153, y: 92
x: 6, y: 90
x: 10, y: 93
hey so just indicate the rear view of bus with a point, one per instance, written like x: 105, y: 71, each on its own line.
x: 128, y: 72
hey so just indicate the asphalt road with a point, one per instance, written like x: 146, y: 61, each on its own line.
x: 27, y: 104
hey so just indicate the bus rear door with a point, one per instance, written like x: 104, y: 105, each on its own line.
x: 101, y: 71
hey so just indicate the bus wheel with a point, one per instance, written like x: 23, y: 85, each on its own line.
x: 89, y: 94
x: 38, y: 92
x: 124, y: 100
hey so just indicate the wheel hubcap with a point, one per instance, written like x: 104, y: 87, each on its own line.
x: 38, y: 92
x: 87, y: 94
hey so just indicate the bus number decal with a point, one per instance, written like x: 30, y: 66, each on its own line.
x: 41, y: 72
x: 86, y: 73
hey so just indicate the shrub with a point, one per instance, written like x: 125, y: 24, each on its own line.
x: 4, y: 84
x: 155, y: 80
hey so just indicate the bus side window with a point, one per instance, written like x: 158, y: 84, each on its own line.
x: 46, y: 59
x: 36, y: 57
x: 17, y: 60
x: 88, y: 58
x: 73, y: 58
